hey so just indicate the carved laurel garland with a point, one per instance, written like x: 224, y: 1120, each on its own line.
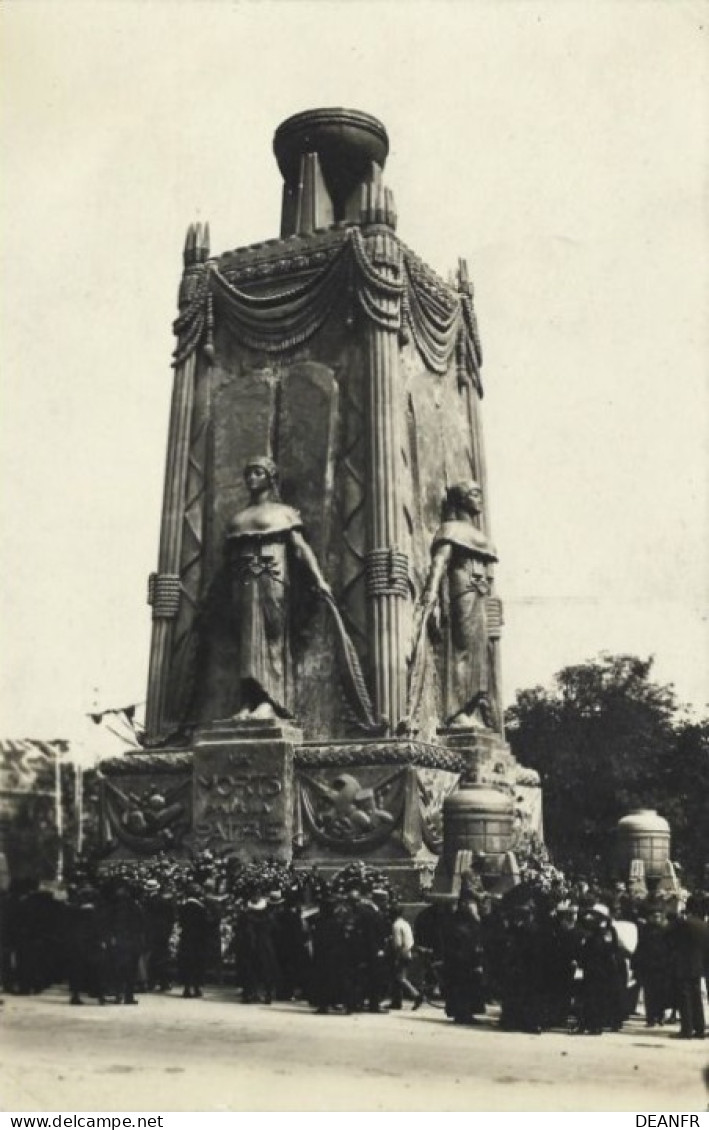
x: 413, y: 303
x: 418, y: 753
x: 374, y: 753
x: 147, y: 764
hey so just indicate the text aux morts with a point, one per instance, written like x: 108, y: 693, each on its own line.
x: 240, y: 806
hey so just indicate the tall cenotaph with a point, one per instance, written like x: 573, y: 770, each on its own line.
x: 324, y: 663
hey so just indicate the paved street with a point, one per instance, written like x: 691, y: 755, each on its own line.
x: 216, y: 1054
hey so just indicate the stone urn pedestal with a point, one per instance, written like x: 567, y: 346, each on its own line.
x: 478, y: 823
x: 643, y: 838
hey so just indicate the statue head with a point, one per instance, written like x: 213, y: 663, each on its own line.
x: 261, y: 473
x: 466, y: 496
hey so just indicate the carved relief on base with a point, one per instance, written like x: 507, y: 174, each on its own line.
x: 145, y: 804
x: 369, y: 808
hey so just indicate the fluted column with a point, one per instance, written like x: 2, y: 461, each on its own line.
x: 387, y: 565
x: 165, y: 587
x: 164, y: 593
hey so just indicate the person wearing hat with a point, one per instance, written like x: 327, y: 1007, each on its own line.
x: 290, y: 943
x: 332, y: 984
x: 689, y: 939
x: 125, y: 923
x: 258, y: 963
x: 603, y: 973
x: 463, y: 974
x: 651, y: 965
x: 523, y: 982
x: 561, y: 963
x: 370, y: 943
x: 84, y: 945
x: 159, y: 922
x: 428, y: 939
x: 276, y: 905
x: 194, y: 925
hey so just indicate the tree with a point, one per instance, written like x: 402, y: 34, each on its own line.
x: 687, y: 799
x: 605, y: 739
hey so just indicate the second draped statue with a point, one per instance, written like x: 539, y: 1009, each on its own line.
x: 462, y: 558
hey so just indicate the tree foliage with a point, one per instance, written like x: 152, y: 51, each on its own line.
x: 605, y: 739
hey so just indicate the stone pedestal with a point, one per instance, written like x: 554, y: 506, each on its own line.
x: 243, y: 789
x: 255, y: 790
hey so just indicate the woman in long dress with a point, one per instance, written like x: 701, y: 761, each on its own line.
x: 461, y: 556
x: 262, y: 541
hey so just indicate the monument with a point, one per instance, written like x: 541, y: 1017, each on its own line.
x: 324, y: 663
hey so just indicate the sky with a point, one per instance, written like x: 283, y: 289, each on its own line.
x: 562, y: 147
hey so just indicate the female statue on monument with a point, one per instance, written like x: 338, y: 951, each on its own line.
x: 263, y: 541
x: 462, y: 555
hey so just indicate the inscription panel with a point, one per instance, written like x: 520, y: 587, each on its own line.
x: 243, y: 799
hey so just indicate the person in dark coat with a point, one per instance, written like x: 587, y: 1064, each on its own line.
x: 289, y: 938
x: 37, y: 934
x: 522, y: 971
x: 85, y: 946
x: 125, y: 926
x: 331, y: 933
x: 561, y: 960
x: 651, y: 966
x: 11, y: 934
x: 370, y: 947
x: 214, y: 905
x: 258, y: 963
x: 690, y: 954
x: 428, y: 942
x: 159, y: 921
x: 195, y: 925
x: 463, y: 972
x: 494, y: 925
x: 6, y: 952
x: 603, y: 974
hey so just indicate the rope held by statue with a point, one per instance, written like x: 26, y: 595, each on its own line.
x: 351, y: 672
x: 417, y: 667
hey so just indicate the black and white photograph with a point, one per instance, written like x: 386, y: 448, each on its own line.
x: 354, y: 700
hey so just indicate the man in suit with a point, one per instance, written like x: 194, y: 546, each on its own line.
x: 690, y: 951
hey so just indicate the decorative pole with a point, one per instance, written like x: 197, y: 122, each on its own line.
x: 59, y: 815
x: 79, y: 806
x: 387, y: 564
x: 164, y: 587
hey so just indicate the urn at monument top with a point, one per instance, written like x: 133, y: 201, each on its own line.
x: 479, y: 819
x: 643, y: 834
x: 344, y: 144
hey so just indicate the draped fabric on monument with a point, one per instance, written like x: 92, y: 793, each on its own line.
x: 434, y: 315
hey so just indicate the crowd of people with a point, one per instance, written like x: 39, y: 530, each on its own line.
x: 564, y: 956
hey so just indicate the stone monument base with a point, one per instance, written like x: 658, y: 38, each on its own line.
x: 253, y: 789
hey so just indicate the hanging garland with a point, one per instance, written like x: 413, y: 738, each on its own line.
x: 435, y: 318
